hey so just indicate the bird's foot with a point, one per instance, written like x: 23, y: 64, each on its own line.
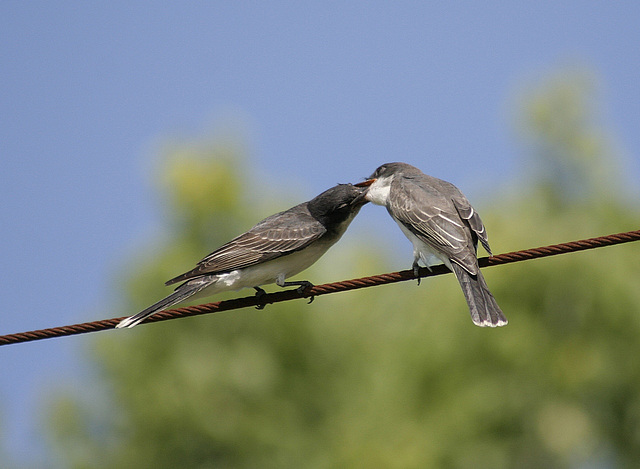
x: 416, y: 271
x: 259, y: 294
x: 302, y: 285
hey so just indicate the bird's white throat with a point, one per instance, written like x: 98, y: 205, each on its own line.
x: 378, y: 192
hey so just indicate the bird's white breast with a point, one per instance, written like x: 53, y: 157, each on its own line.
x: 378, y: 192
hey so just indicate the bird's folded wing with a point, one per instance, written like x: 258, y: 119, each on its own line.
x: 468, y: 213
x: 264, y: 242
x: 434, y: 219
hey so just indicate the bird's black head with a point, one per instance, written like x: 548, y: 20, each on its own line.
x: 339, y: 204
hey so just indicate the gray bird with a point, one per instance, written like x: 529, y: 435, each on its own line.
x: 443, y: 228
x: 278, y: 247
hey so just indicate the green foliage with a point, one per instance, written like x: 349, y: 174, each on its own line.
x: 395, y: 376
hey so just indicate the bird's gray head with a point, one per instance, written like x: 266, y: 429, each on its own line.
x: 338, y: 204
x: 379, y: 183
x: 387, y: 171
x: 391, y: 169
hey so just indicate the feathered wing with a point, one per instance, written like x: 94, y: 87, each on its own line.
x: 275, y: 236
x: 434, y: 219
x: 468, y: 213
x: 450, y: 226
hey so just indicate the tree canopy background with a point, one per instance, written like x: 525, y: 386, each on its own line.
x: 395, y: 376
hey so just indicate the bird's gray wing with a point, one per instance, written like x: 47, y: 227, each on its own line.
x: 431, y: 215
x: 468, y: 213
x: 275, y: 236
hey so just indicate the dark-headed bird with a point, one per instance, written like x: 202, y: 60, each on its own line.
x: 278, y: 247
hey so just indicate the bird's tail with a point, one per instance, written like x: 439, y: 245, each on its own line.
x: 483, y: 307
x: 183, y: 292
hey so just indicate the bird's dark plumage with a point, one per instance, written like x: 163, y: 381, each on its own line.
x: 276, y: 248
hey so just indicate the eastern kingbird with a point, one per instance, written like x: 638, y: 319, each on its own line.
x: 278, y: 247
x: 443, y: 228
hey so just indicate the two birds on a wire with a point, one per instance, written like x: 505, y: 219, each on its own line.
x: 434, y: 214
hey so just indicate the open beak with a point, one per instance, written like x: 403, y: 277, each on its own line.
x: 366, y: 183
x: 361, y: 198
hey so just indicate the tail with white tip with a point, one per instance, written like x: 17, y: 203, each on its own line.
x: 483, y: 307
x: 182, y: 293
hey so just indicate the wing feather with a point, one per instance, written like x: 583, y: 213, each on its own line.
x: 276, y: 236
x: 468, y: 213
x: 433, y: 218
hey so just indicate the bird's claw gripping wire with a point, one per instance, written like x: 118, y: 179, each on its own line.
x: 416, y: 271
x: 303, y: 286
x: 259, y: 294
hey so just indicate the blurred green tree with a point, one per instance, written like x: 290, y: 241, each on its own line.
x: 393, y: 377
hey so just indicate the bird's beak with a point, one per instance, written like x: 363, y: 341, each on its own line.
x: 366, y: 183
x: 360, y: 199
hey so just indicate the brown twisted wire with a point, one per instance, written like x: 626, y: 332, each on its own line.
x: 317, y: 290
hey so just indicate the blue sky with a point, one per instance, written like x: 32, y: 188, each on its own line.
x: 322, y: 93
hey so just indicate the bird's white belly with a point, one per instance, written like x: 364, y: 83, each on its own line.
x: 265, y: 273
x: 422, y: 251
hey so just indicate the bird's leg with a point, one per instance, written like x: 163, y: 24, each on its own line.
x: 302, y: 286
x: 259, y: 294
x: 416, y: 270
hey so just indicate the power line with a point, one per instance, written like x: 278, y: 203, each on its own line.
x: 317, y: 290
